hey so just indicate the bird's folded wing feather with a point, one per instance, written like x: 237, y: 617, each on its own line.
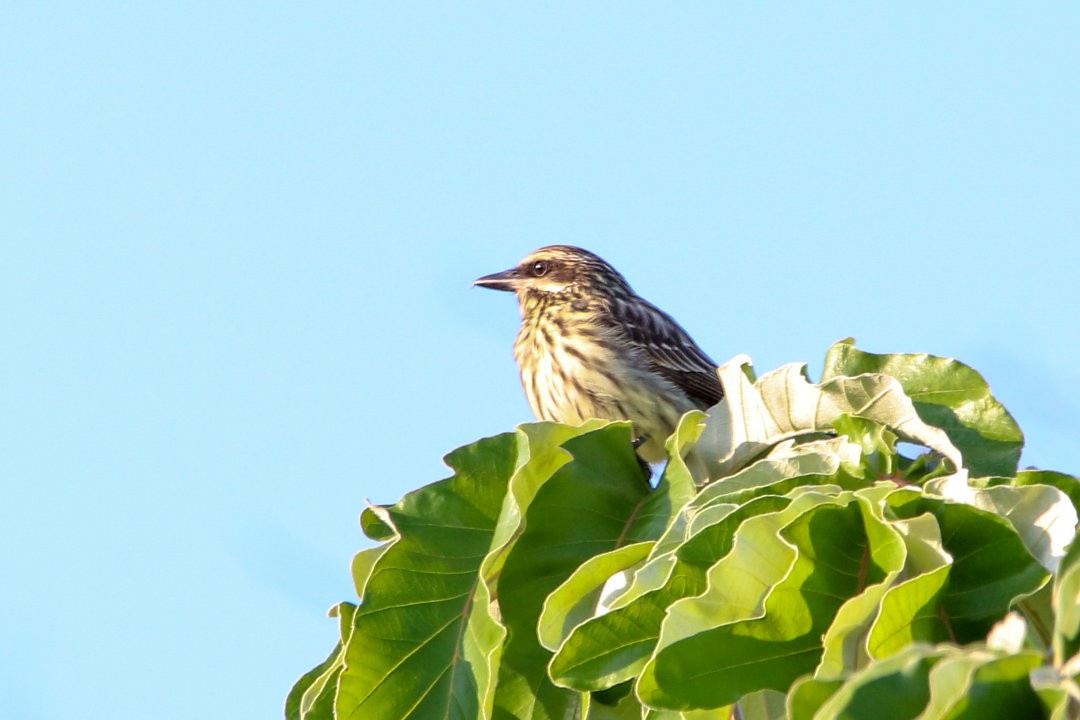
x: 670, y: 350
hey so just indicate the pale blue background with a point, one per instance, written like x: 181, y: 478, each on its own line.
x: 238, y: 241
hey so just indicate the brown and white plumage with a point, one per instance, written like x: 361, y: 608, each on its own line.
x: 589, y: 347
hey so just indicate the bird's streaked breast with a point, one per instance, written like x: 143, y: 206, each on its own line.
x: 573, y: 369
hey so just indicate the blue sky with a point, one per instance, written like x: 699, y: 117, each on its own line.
x: 239, y: 241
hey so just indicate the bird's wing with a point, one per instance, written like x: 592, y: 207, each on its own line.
x: 670, y: 350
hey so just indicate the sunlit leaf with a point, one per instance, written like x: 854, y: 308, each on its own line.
x: 947, y: 394
x: 845, y: 646
x: 784, y: 404
x: 1067, y: 606
x: 609, y: 649
x: 1068, y: 484
x: 990, y: 567
x: 313, y: 695
x: 411, y: 654
x: 585, y: 508
x: 760, y: 623
x: 580, y: 596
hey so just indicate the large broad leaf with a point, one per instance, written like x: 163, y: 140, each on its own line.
x: 836, y: 581
x: 947, y: 394
x: 586, y: 593
x: 785, y: 468
x: 1043, y: 516
x: 589, y: 591
x: 991, y: 568
x: 1067, y: 607
x: 1068, y: 484
x: 783, y: 404
x: 313, y: 695
x: 539, y: 456
x: 585, y: 508
x: 614, y: 645
x: 902, y: 679
x: 932, y: 682
x: 845, y: 643
x: 759, y: 624
x: 422, y: 635
x: 677, y: 485
x: 755, y: 415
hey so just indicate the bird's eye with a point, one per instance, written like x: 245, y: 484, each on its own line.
x: 540, y: 268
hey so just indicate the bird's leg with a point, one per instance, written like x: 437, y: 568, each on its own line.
x: 646, y: 469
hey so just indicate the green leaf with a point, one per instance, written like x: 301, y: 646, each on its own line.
x: 1066, y: 602
x: 764, y: 705
x: 910, y: 607
x: 947, y: 394
x: 760, y: 623
x: 807, y: 696
x: 929, y: 682
x: 991, y: 569
x: 902, y: 678
x: 727, y: 713
x: 756, y: 415
x: 539, y: 456
x: 585, y: 508
x: 878, y: 443
x: 950, y: 680
x: 612, y: 648
x: 785, y: 468
x: 312, y: 697
x: 845, y: 644
x: 910, y: 612
x: 1043, y: 516
x: 577, y: 599
x: 881, y: 398
x: 980, y: 685
x: 420, y: 641
x: 783, y: 405
x: 1058, y: 693
x: 1068, y: 484
x: 619, y: 703
x: 677, y: 485
x: 363, y: 564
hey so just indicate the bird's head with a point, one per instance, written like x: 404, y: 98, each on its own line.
x: 558, y: 271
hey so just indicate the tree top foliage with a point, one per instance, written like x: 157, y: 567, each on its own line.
x: 863, y: 546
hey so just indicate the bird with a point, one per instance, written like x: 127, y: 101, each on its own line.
x: 590, y: 347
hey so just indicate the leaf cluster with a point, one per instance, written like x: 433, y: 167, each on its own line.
x: 864, y: 546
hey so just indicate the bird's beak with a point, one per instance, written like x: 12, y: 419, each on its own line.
x: 505, y: 280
